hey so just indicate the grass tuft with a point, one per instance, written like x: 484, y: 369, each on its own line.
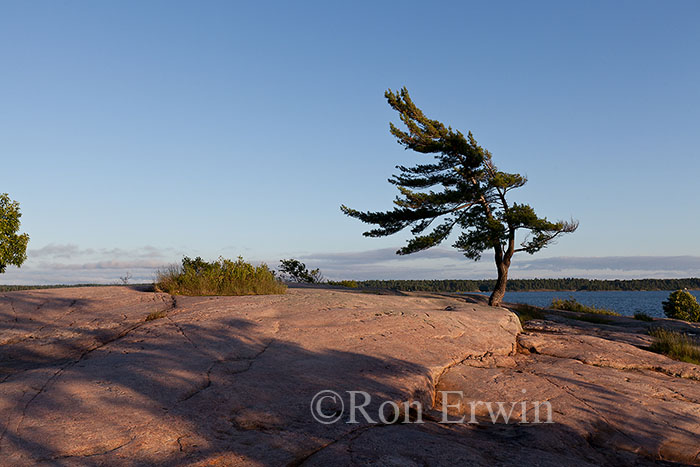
x: 641, y: 316
x: 572, y: 305
x: 221, y: 277
x: 528, y: 312
x: 675, y: 345
x: 156, y: 315
x: 592, y: 318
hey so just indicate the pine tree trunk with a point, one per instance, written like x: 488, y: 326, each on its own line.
x: 500, y: 290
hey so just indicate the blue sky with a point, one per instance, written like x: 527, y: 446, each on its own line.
x: 133, y: 132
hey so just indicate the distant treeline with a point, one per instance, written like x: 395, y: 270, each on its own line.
x: 522, y: 285
x: 15, y: 288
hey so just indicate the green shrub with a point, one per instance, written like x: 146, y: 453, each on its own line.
x: 681, y: 304
x: 641, y: 316
x: 675, y: 345
x: 221, y: 277
x: 13, y: 245
x: 349, y: 284
x: 572, y: 305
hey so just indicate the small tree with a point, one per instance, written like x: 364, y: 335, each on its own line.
x: 125, y: 278
x: 296, y: 271
x: 681, y: 304
x: 13, y: 246
x: 472, y: 197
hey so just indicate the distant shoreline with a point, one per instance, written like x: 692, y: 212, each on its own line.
x: 534, y: 285
x: 575, y: 290
x: 484, y: 286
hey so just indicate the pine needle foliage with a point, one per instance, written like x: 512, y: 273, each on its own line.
x: 296, y: 271
x: 461, y: 188
x: 681, y: 304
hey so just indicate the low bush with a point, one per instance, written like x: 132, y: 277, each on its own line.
x: 675, y: 345
x: 349, y: 284
x: 572, y: 305
x: 681, y: 304
x: 221, y: 277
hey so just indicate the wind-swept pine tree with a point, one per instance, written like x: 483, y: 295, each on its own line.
x: 471, y: 196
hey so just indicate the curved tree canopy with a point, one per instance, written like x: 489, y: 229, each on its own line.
x: 461, y: 188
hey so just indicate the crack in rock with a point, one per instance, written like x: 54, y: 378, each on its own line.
x: 203, y: 387
x: 182, y: 331
x: 299, y: 461
x: 26, y: 406
x: 95, y: 454
x: 445, y: 369
x: 630, y: 368
x: 14, y: 311
x: 207, y: 385
x: 68, y: 365
x: 252, y: 359
x: 590, y: 407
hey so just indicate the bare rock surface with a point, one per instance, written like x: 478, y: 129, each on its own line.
x: 86, y: 379
x: 119, y: 376
x: 612, y: 402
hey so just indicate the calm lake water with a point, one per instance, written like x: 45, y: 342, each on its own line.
x: 624, y: 302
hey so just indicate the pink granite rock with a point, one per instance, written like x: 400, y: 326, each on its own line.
x: 86, y: 379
